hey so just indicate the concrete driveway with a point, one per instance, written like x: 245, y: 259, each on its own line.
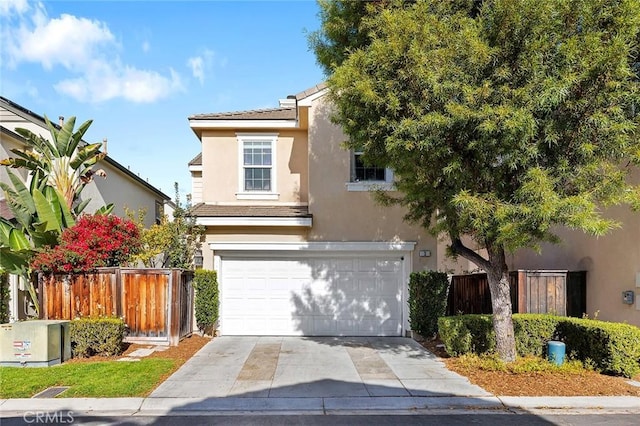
x: 324, y: 367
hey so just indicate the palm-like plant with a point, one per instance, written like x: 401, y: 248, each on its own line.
x: 40, y: 216
x: 58, y: 171
x: 65, y: 162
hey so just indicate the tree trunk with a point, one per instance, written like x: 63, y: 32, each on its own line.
x: 498, y: 277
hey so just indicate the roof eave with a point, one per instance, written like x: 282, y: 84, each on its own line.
x: 308, y: 100
x: 196, y: 124
x: 306, y: 222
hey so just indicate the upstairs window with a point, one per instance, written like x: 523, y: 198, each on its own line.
x: 364, y: 172
x: 367, y: 177
x: 257, y: 167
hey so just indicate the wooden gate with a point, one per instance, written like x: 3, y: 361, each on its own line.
x: 145, y: 303
x: 557, y: 292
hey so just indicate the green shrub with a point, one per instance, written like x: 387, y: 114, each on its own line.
x: 611, y: 348
x: 463, y: 334
x: 206, y: 286
x: 96, y: 336
x: 4, y: 297
x: 533, y: 331
x: 428, y: 292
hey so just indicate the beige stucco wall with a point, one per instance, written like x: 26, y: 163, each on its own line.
x: 312, y: 168
x: 342, y: 215
x: 221, y: 163
x: 612, y: 263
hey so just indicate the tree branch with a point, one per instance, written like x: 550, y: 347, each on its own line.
x: 459, y: 248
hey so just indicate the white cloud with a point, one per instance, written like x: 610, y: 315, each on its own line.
x: 88, y: 50
x: 68, y: 41
x: 197, y: 68
x: 146, y: 46
x: 103, y: 83
x: 201, y: 64
x: 10, y: 7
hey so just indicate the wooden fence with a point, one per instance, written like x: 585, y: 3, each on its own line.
x: 156, y: 304
x: 558, y: 292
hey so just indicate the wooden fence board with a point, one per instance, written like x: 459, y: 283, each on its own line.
x: 143, y: 297
x: 531, y: 292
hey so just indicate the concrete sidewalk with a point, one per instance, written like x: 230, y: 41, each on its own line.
x: 290, y: 375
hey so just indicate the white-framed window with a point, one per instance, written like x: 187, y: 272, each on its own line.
x: 257, y: 167
x: 367, y: 177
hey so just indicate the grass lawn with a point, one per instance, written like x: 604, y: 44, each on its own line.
x: 88, y: 379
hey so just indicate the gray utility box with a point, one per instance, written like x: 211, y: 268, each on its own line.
x: 38, y: 343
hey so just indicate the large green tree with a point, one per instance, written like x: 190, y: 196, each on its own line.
x: 502, y: 119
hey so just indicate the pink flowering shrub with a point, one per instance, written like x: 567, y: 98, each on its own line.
x: 94, y: 241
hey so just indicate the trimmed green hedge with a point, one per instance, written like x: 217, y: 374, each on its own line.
x: 463, y: 334
x: 206, y: 285
x: 96, y: 336
x: 533, y: 331
x: 613, y: 348
x: 427, y: 301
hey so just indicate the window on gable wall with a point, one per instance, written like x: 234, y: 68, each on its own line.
x: 257, y: 167
x: 366, y: 172
x: 366, y: 176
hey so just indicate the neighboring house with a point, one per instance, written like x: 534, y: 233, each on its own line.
x: 299, y: 244
x: 612, y: 263
x: 121, y: 187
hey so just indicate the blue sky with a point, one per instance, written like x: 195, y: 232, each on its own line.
x: 140, y: 68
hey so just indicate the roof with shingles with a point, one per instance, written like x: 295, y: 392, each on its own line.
x: 288, y: 113
x: 210, y: 210
x: 311, y: 91
x: 282, y: 113
x: 196, y: 161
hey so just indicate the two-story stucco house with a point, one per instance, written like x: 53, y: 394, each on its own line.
x: 121, y: 187
x: 300, y: 246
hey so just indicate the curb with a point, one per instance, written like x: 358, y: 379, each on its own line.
x: 319, y: 406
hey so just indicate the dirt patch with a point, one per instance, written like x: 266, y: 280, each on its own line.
x: 181, y: 353
x: 538, y: 383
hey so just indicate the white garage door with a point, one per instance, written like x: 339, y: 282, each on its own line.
x: 338, y: 296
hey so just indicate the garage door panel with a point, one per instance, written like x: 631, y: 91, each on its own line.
x: 345, y: 265
x: 311, y: 296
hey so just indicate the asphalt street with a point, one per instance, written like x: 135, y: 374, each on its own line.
x: 319, y: 420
